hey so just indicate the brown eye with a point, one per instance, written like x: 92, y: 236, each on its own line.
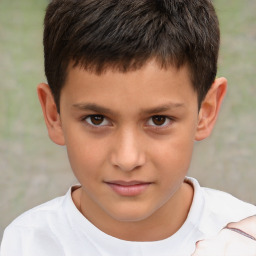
x: 96, y: 120
x: 159, y: 120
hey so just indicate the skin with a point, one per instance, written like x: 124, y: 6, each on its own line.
x: 230, y: 243
x: 248, y: 225
x: 126, y: 127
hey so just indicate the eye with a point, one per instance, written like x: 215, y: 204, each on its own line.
x: 159, y: 121
x: 97, y: 120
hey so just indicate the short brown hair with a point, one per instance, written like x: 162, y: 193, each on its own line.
x: 125, y: 34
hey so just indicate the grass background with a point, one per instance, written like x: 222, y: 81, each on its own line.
x: 34, y: 170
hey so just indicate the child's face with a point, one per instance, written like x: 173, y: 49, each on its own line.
x: 129, y: 137
x: 133, y: 129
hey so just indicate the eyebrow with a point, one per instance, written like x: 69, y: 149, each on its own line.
x: 93, y: 107
x: 163, y: 108
x: 100, y: 109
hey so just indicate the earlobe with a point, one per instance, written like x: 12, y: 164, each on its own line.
x: 51, y: 115
x: 210, y: 108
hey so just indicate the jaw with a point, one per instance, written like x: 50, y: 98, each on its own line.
x: 133, y: 221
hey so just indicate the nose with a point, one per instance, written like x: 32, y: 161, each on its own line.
x: 128, y: 153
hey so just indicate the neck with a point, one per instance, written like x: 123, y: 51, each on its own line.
x: 160, y: 225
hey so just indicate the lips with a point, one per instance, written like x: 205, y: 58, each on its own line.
x: 128, y: 188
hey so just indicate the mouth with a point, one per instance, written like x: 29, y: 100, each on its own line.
x: 128, y: 188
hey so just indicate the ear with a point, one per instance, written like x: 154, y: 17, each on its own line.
x: 210, y: 108
x: 51, y: 115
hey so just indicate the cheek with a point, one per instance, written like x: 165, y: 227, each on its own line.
x: 174, y: 152
x: 174, y: 161
x: 85, y: 156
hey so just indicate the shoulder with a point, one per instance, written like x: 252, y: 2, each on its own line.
x: 224, y: 204
x: 223, y: 208
x: 34, y: 222
x: 217, y: 208
x: 35, y: 230
x: 39, y: 214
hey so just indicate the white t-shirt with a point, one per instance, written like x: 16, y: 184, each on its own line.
x: 58, y: 228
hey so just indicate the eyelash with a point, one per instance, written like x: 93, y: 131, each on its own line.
x: 94, y: 126
x: 162, y: 126
x: 90, y: 124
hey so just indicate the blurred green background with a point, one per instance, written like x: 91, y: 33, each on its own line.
x: 34, y: 170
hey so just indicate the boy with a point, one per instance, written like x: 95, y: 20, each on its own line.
x: 131, y: 87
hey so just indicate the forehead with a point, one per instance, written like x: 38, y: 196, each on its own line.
x: 152, y: 64
x: 144, y: 87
